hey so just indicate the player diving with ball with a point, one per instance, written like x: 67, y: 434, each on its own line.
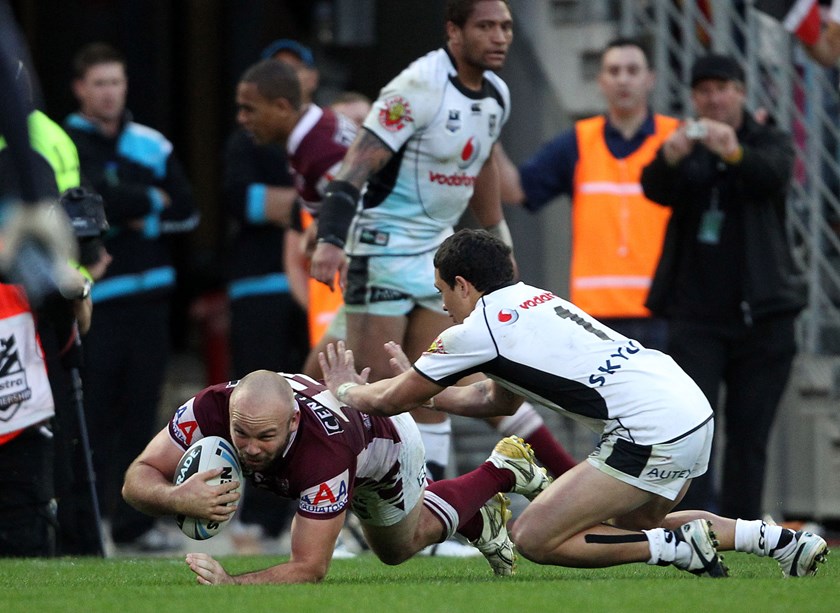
x: 295, y: 439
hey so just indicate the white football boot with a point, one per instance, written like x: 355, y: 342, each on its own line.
x: 517, y: 456
x: 494, y: 541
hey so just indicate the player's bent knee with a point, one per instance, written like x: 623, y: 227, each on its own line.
x: 529, y: 540
x: 392, y: 558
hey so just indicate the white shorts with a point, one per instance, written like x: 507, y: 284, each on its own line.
x: 392, y: 285
x: 404, y: 489
x: 662, y: 468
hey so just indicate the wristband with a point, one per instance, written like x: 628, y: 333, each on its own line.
x: 341, y: 392
x: 337, y: 211
x: 82, y: 270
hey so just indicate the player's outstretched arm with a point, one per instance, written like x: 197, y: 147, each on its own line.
x: 484, y: 398
x: 409, y: 389
x: 393, y: 396
x: 313, y: 542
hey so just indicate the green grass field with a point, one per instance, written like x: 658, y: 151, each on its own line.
x: 165, y: 585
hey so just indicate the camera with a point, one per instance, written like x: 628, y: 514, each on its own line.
x: 695, y: 129
x: 86, y: 212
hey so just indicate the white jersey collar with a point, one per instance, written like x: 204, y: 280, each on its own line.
x: 303, y: 126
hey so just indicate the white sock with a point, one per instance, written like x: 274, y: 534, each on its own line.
x: 523, y: 423
x: 662, y: 549
x: 756, y: 536
x: 437, y: 439
x: 666, y: 549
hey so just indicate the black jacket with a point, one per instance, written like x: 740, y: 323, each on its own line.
x: 123, y: 169
x: 255, y: 246
x: 758, y: 184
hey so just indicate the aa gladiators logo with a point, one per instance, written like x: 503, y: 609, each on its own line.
x: 14, y: 389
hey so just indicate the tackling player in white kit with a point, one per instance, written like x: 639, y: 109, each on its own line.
x: 655, y: 424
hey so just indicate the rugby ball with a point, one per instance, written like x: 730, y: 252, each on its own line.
x: 205, y: 454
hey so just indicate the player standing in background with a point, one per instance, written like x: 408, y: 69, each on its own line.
x: 267, y: 325
x: 275, y: 108
x: 425, y: 154
x: 325, y: 307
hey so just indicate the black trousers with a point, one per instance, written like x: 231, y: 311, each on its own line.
x: 126, y: 355
x: 753, y: 363
x: 269, y: 332
x: 78, y: 532
x: 27, y: 510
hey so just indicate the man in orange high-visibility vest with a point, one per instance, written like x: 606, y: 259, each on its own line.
x: 617, y: 233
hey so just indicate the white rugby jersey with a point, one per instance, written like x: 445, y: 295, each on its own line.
x: 546, y: 349
x: 441, y: 133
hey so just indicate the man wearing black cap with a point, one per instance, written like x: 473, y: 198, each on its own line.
x: 726, y: 279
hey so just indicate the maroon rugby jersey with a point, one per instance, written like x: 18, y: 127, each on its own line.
x: 334, y: 450
x: 316, y: 148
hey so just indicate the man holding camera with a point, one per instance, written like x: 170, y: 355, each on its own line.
x: 38, y: 430
x: 726, y: 279
x: 78, y: 531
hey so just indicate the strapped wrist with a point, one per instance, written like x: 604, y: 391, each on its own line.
x: 332, y: 240
x: 341, y: 392
x: 337, y: 211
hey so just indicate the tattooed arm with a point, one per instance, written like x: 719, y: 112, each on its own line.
x: 366, y: 156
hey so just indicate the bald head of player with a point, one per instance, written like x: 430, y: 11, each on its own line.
x: 263, y: 418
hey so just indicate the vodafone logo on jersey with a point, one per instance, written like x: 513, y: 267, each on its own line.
x: 455, y: 180
x: 507, y: 316
x: 539, y: 299
x: 470, y: 152
x: 395, y: 114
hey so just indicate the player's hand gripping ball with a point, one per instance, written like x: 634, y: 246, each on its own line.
x: 205, y: 454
